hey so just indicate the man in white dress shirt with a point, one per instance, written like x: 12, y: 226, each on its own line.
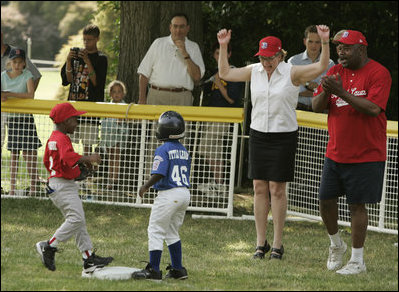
x: 171, y: 67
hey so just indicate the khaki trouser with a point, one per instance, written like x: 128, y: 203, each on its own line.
x: 160, y: 97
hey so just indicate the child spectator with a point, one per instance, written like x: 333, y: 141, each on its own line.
x: 22, y: 133
x: 85, y: 70
x: 170, y: 176
x: 114, y: 134
x: 220, y: 93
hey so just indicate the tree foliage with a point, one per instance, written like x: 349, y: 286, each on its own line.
x: 13, y: 26
x: 76, y: 17
x: 252, y: 20
x: 108, y: 20
x: 47, y: 23
x: 51, y: 23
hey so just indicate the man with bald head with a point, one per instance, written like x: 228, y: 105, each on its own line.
x: 171, y: 67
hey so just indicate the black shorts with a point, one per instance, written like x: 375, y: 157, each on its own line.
x: 22, y: 133
x: 272, y: 156
x: 361, y: 182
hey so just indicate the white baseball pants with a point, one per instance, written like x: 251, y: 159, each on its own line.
x: 66, y: 198
x: 167, y: 216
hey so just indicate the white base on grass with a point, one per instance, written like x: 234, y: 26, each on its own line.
x: 111, y: 273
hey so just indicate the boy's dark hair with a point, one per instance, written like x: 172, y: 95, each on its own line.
x: 91, y: 29
x: 216, y: 46
x: 310, y: 29
x: 180, y: 14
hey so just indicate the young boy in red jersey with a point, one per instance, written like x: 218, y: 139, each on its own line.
x: 62, y: 161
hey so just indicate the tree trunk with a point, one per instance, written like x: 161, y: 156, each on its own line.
x: 141, y: 23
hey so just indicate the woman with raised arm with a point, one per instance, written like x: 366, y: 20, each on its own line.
x: 274, y: 128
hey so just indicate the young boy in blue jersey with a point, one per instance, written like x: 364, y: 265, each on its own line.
x: 170, y: 176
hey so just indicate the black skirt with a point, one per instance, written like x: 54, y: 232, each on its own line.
x: 272, y: 156
x: 22, y: 133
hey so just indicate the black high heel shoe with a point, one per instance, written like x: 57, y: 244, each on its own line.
x: 277, y: 253
x: 264, y: 249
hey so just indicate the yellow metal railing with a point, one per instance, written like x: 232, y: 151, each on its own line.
x: 151, y: 112
x: 128, y: 111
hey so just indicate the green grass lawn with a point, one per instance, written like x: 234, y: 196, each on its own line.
x: 216, y: 253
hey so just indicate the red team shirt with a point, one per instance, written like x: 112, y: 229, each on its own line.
x: 354, y: 136
x: 59, y: 157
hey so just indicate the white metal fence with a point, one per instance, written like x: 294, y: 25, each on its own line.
x: 48, y: 65
x: 212, y: 139
x: 127, y: 147
x: 303, y: 191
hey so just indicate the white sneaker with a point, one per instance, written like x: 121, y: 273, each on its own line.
x: 335, y: 256
x: 352, y: 268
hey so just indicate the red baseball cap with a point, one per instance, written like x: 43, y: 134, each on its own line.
x: 350, y: 37
x: 64, y: 111
x: 269, y: 46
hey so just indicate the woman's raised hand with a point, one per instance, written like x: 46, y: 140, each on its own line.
x: 323, y: 32
x: 224, y: 36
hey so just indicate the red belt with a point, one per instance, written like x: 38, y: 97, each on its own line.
x: 169, y: 89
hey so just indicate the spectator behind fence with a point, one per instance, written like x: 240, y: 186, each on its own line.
x: 85, y: 72
x: 219, y: 93
x: 171, y: 67
x: 5, y: 52
x: 356, y: 93
x: 169, y: 71
x: 311, y: 55
x: 114, y: 134
x: 22, y: 133
x: 62, y: 163
x: 274, y: 127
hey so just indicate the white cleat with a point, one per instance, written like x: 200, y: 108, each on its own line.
x: 335, y: 256
x: 352, y: 268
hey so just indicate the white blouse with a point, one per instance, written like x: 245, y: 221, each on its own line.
x: 273, y: 101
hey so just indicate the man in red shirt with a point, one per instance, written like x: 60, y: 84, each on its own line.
x: 356, y: 93
x: 62, y: 161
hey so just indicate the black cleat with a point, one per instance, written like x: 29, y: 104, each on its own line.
x: 47, y: 254
x: 176, y: 273
x: 94, y: 261
x: 148, y: 273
